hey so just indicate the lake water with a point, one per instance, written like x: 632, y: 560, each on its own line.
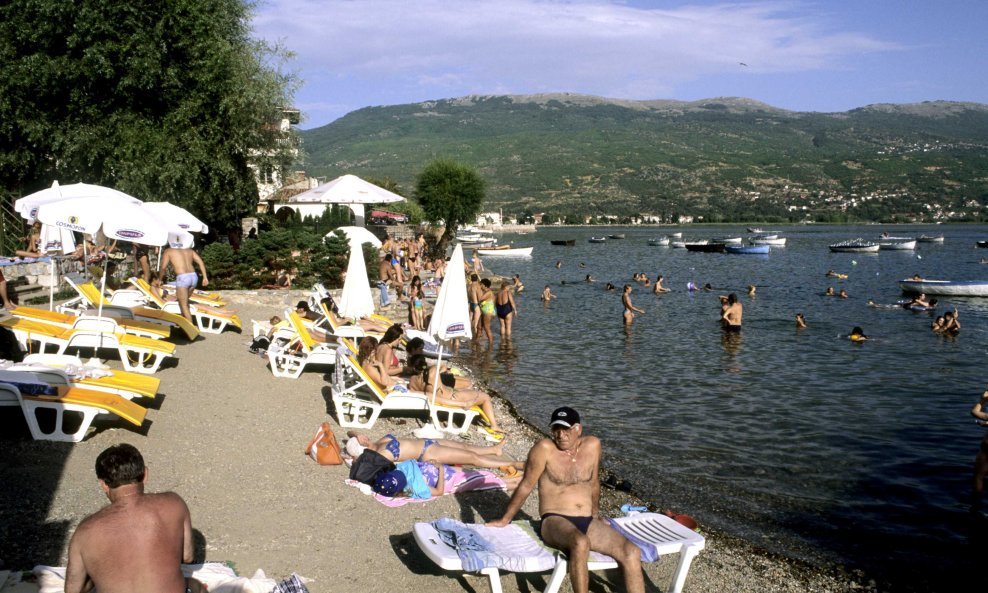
x: 800, y: 441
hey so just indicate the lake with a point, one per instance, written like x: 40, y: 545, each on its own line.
x: 799, y: 441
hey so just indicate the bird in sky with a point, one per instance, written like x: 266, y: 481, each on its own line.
x: 743, y: 64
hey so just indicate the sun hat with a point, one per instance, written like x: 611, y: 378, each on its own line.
x: 389, y: 483
x: 354, y: 448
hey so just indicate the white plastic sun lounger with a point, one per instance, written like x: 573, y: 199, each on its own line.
x: 521, y: 552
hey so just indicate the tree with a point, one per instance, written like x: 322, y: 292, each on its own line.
x: 450, y: 192
x: 169, y: 101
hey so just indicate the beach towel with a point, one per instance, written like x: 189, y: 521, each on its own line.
x: 649, y: 551
x: 515, y: 547
x: 461, y: 481
x: 218, y: 578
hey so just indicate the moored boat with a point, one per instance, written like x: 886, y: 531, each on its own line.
x: 726, y: 240
x: 897, y: 245
x: 505, y: 251
x: 616, y: 236
x: 975, y: 288
x: 597, y: 239
x: 930, y: 238
x: 752, y: 229
x: 854, y: 246
x: 677, y: 245
x: 776, y: 242
x: 660, y: 242
x: 564, y: 242
x: 676, y: 235
x: 706, y: 247
x: 982, y: 244
x: 747, y: 249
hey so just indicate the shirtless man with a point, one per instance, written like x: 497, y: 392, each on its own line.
x: 473, y: 298
x: 383, y: 277
x: 732, y: 314
x: 182, y: 260
x: 138, y: 542
x: 565, y: 467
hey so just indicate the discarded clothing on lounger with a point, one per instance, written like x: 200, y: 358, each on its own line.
x: 511, y: 548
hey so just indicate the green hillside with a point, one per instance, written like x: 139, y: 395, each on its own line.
x: 725, y: 159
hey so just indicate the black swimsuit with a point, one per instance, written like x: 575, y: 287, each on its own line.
x: 581, y: 523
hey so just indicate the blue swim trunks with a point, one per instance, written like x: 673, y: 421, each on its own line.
x: 189, y: 280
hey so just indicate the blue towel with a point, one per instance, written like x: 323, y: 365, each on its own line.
x: 649, y: 552
x: 472, y: 549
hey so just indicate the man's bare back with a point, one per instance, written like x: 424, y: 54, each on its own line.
x: 182, y: 261
x: 136, y: 543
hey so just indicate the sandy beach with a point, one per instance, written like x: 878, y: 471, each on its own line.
x: 228, y: 437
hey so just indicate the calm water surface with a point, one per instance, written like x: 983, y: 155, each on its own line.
x: 800, y: 441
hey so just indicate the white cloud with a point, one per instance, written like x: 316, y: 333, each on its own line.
x: 434, y: 48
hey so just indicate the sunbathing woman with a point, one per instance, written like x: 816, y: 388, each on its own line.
x: 426, y: 377
x: 374, y: 368
x: 385, y: 353
x: 441, y: 450
x: 33, y: 240
x: 368, y: 325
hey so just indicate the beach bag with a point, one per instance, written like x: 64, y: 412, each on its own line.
x: 324, y: 448
x: 366, y: 467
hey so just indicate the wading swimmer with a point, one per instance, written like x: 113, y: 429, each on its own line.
x: 629, y: 309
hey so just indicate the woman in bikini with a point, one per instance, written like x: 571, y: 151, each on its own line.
x: 629, y: 309
x: 506, y: 309
x: 374, y: 368
x: 486, y: 300
x: 425, y: 378
x: 385, y: 353
x: 416, y: 304
x: 441, y: 450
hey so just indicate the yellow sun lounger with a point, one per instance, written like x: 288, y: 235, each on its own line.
x: 359, y: 400
x: 139, y: 355
x: 89, y: 297
x: 145, y: 329
x: 209, y: 319
x: 58, y: 369
x: 290, y: 358
x: 38, y: 401
x: 210, y: 299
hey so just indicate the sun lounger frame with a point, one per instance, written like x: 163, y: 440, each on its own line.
x: 88, y: 404
x: 669, y: 537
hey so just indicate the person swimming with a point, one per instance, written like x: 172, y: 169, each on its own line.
x: 857, y: 335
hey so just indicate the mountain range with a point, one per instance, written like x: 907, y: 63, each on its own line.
x: 716, y: 160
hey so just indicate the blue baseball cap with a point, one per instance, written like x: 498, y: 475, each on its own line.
x: 389, y: 483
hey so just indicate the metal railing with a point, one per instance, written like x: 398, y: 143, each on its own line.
x: 11, y: 226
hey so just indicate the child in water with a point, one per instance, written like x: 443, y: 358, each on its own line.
x: 547, y: 294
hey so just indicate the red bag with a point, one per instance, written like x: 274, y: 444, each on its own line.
x: 324, y: 448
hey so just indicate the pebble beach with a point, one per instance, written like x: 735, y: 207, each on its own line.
x: 229, y: 437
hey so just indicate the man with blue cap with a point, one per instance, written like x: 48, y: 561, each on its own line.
x: 566, y: 469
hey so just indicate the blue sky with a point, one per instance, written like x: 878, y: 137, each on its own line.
x: 800, y: 55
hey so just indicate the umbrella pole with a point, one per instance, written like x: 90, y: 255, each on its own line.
x: 51, y: 287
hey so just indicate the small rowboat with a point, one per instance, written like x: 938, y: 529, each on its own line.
x: 616, y: 236
x: 747, y: 249
x: 597, y: 239
x: 676, y: 235
x: 854, y: 246
x: 982, y: 244
x: 752, y: 229
x: 506, y: 252
x: 975, y: 288
x: 897, y: 245
x: 705, y: 247
x: 726, y: 240
x: 564, y: 242
x: 677, y: 245
x: 777, y: 241
x: 660, y: 242
x: 930, y: 238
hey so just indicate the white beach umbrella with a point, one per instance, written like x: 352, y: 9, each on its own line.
x: 357, y: 235
x: 27, y: 206
x: 356, y: 300
x: 450, y: 319
x: 117, y: 219
x: 177, y: 216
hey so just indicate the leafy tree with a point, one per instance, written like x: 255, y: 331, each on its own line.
x: 450, y: 192
x: 169, y: 101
